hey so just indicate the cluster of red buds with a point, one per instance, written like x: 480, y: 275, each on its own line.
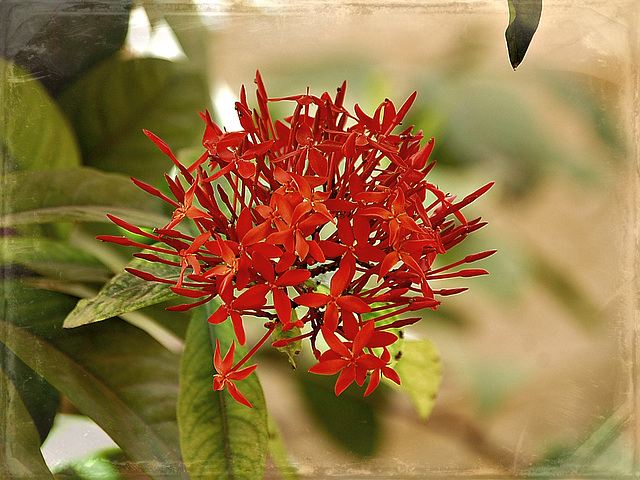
x: 322, y: 224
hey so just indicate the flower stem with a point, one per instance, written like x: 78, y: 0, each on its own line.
x: 270, y: 329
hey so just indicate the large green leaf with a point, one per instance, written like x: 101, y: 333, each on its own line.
x: 83, y: 194
x: 125, y: 293
x: 219, y: 437
x: 56, y: 41
x: 111, y: 105
x: 524, y: 17
x: 34, y: 133
x: 112, y: 372
x: 421, y: 374
x: 37, y: 395
x: 20, y: 455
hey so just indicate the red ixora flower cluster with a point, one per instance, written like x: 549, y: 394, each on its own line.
x: 322, y: 197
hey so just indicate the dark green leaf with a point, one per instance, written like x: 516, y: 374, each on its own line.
x: 83, y: 194
x: 57, y: 41
x: 524, y: 17
x: 111, y: 105
x: 421, y: 373
x: 34, y: 132
x: 219, y: 437
x: 37, y: 395
x: 350, y: 420
x: 20, y: 455
x: 125, y: 293
x: 112, y: 372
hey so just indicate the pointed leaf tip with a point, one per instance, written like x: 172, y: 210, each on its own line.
x: 524, y: 17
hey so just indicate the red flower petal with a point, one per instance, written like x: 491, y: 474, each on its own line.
x: 238, y: 327
x: 334, y: 343
x: 331, y: 316
x: 282, y: 305
x: 329, y: 367
x: 352, y: 303
x: 381, y: 339
x: 246, y: 168
x: 346, y: 378
x: 362, y: 338
x: 340, y: 280
x: 293, y: 277
x: 391, y: 374
x: 332, y: 249
x: 264, y: 267
x: 318, y: 163
x: 219, y: 316
x: 256, y: 234
x: 388, y: 263
x: 313, y: 300
x: 252, y: 298
x: 316, y: 252
x: 237, y: 396
x: 242, y: 373
x: 345, y: 231
x: 374, y: 381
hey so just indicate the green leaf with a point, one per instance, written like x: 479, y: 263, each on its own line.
x: 34, y: 132
x: 219, y: 437
x: 51, y: 258
x: 111, y: 105
x: 82, y: 194
x: 57, y: 41
x: 350, y: 420
x: 39, y: 397
x: 20, y: 455
x: 421, y: 374
x: 125, y: 293
x: 524, y: 17
x: 112, y: 372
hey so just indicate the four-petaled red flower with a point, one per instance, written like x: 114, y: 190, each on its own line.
x: 227, y: 373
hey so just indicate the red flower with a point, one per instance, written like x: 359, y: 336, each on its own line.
x: 287, y: 209
x: 336, y: 301
x: 227, y: 374
x: 352, y: 360
x: 277, y: 287
x: 234, y: 308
